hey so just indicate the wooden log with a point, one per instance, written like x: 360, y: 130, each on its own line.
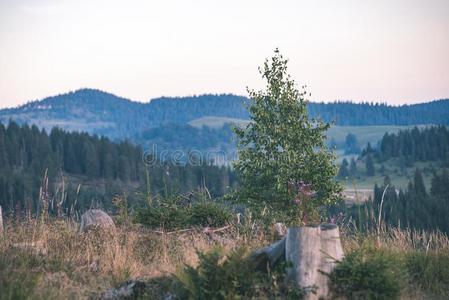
x: 269, y: 256
x: 313, y: 251
x: 279, y: 231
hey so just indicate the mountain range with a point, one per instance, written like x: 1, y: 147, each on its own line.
x: 180, y: 122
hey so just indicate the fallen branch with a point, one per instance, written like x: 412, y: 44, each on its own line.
x: 269, y: 256
x: 209, y: 230
x: 206, y: 230
x: 170, y: 232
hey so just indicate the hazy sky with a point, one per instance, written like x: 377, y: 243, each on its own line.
x: 390, y: 51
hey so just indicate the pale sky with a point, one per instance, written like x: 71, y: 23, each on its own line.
x: 394, y: 51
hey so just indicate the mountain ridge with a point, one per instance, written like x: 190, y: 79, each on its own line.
x: 175, y: 98
x: 102, y: 113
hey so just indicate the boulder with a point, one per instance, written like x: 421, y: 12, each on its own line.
x: 96, y: 218
x: 133, y: 289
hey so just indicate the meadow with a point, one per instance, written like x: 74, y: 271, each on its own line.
x: 50, y: 259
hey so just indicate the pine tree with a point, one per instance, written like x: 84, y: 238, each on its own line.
x: 418, y: 184
x: 353, y: 167
x: 369, y: 164
x: 440, y: 185
x: 343, y: 172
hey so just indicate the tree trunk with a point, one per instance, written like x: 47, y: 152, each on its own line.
x: 313, y: 250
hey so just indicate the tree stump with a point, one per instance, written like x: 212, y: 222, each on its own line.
x: 95, y: 218
x: 313, y: 250
x: 331, y: 253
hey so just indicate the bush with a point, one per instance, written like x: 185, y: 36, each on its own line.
x: 209, y: 214
x: 174, y: 215
x: 167, y: 217
x: 369, y: 274
x: 430, y: 272
x: 233, y: 277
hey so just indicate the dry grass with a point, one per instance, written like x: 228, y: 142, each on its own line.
x: 70, y: 265
x: 53, y: 261
x: 404, y: 240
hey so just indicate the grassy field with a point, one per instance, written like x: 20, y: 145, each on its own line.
x: 364, y: 134
x: 399, y: 177
x: 51, y: 260
x: 216, y: 122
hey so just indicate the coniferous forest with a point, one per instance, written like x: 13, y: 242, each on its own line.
x: 428, y: 144
x: 417, y: 206
x: 91, y: 170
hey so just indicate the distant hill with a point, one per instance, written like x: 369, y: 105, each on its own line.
x: 118, y: 118
x: 102, y: 113
x: 87, y: 110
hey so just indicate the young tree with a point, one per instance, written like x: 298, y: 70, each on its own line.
x: 418, y: 184
x: 282, y: 153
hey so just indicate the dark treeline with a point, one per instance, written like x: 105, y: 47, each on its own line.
x: 427, y: 144
x: 349, y: 113
x: 103, y: 168
x: 416, y: 207
x: 104, y: 114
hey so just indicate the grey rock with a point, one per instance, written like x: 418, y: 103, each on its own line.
x: 96, y: 218
x: 132, y: 289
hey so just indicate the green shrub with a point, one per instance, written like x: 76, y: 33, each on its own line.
x: 430, y: 272
x: 209, y: 214
x: 369, y: 274
x: 174, y: 215
x: 233, y: 277
x: 167, y: 217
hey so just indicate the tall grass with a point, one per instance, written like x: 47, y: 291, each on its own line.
x: 420, y: 260
x: 53, y: 257
x: 51, y: 260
